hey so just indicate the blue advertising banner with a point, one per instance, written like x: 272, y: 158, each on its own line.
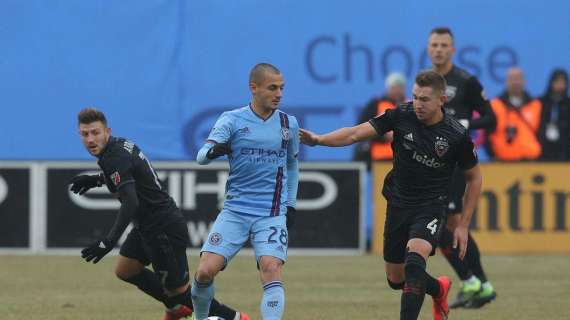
x: 163, y: 70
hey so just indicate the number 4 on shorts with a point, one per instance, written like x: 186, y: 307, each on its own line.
x: 432, y: 226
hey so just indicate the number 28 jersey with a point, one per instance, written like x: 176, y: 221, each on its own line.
x: 261, y: 150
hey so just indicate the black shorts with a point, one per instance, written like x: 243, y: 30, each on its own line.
x: 456, y: 192
x: 403, y: 224
x: 165, y: 250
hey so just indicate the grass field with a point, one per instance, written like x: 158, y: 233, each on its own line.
x: 63, y: 287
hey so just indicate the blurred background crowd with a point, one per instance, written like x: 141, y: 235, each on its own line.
x: 527, y: 127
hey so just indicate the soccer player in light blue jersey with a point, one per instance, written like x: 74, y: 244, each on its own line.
x: 262, y: 144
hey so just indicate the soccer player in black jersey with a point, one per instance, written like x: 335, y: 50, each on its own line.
x: 160, y: 234
x: 428, y: 145
x: 464, y: 96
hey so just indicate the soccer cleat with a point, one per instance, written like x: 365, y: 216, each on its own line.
x: 481, y: 298
x: 468, y: 290
x: 440, y: 308
x: 243, y: 316
x: 178, y: 312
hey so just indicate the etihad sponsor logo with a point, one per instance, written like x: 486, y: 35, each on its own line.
x: 431, y: 162
x: 244, y: 130
x: 263, y: 152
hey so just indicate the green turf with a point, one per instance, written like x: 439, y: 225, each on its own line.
x: 51, y: 287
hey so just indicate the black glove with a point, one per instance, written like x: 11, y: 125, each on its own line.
x: 218, y: 150
x: 97, y: 250
x: 291, y: 212
x: 80, y: 184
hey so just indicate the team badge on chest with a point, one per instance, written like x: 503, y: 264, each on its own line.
x: 441, y: 146
x: 116, y: 178
x: 450, y: 92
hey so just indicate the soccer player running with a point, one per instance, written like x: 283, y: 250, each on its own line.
x: 464, y: 96
x: 427, y: 145
x: 160, y: 234
x: 262, y: 144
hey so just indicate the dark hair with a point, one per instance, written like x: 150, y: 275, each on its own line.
x: 257, y: 73
x: 442, y: 30
x: 431, y: 79
x: 90, y: 115
x: 557, y: 73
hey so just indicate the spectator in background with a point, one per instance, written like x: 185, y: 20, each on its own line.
x: 518, y: 121
x: 465, y: 96
x: 379, y: 148
x: 553, y: 133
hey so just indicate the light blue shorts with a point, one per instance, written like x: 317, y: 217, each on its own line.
x: 231, y: 230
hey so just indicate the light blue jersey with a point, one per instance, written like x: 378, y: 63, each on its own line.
x: 263, y: 173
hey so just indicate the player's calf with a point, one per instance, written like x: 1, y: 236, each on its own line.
x: 273, y: 301
x: 178, y: 297
x: 202, y: 294
x: 414, y: 286
x: 148, y: 282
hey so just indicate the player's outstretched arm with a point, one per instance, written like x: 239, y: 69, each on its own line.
x: 472, y: 191
x: 292, y: 173
x: 212, y: 150
x: 129, y: 203
x: 339, y: 138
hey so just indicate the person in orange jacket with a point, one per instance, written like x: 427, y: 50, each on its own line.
x: 379, y: 149
x: 518, y: 120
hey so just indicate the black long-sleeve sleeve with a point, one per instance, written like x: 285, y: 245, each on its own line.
x: 486, y: 118
x: 369, y: 112
x: 129, y: 204
x: 476, y: 98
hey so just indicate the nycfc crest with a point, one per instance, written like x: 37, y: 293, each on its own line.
x: 285, y: 133
x: 441, y: 146
x: 215, y: 239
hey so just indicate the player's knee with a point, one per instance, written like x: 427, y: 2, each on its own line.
x: 395, y: 274
x: 270, y: 267
x: 210, y: 265
x: 398, y: 285
x: 414, y: 267
x: 205, y: 274
x: 125, y: 274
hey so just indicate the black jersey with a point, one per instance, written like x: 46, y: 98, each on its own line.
x: 123, y: 162
x: 465, y: 95
x: 424, y: 157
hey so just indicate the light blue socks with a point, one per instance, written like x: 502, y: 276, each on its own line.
x: 273, y: 302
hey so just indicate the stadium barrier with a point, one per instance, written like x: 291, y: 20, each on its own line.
x: 523, y: 208
x: 40, y: 215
